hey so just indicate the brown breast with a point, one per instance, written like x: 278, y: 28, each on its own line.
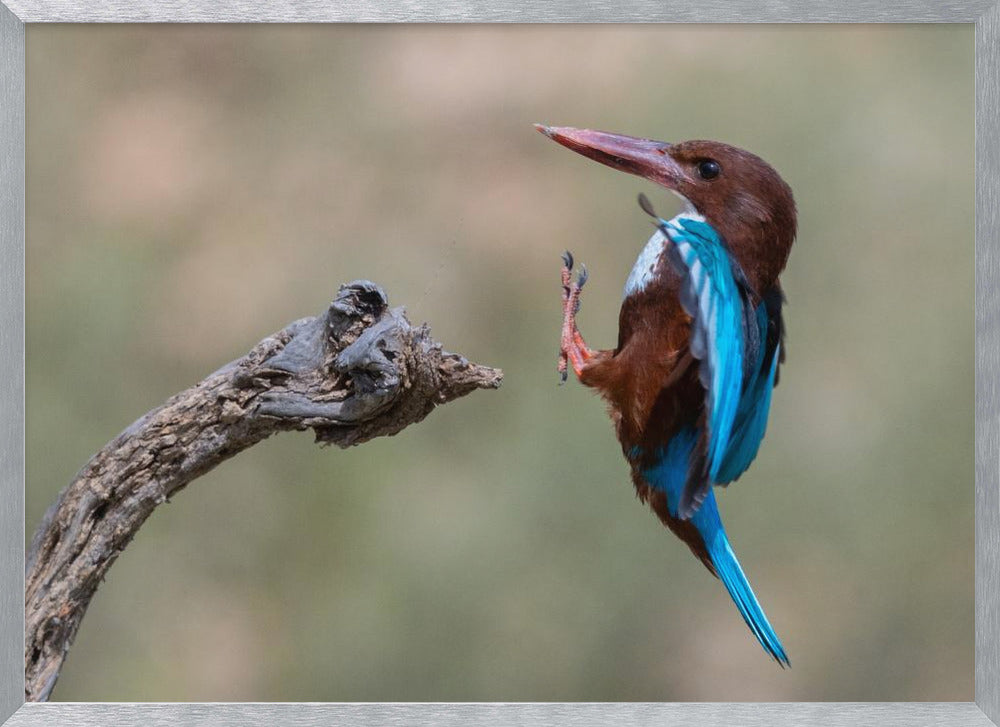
x: 649, y: 380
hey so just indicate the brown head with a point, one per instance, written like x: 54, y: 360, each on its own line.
x: 738, y: 193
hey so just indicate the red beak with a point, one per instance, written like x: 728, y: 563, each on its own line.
x: 644, y: 157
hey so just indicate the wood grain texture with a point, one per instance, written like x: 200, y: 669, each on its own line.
x: 356, y: 372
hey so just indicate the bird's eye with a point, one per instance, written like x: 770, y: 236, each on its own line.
x: 709, y: 169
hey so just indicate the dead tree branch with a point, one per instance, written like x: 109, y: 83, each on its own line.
x: 356, y: 372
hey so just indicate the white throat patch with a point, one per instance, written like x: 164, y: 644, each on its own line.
x: 649, y: 257
x: 645, y: 264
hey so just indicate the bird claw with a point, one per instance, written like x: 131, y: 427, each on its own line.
x: 567, y: 275
x: 572, y: 349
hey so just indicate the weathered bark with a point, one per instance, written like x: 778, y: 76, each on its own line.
x: 357, y: 372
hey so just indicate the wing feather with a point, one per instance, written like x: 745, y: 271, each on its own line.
x: 755, y: 404
x: 713, y: 293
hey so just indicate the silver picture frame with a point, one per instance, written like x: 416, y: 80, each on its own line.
x: 985, y: 14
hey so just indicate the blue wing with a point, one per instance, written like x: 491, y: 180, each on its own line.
x: 714, y: 294
x: 755, y: 403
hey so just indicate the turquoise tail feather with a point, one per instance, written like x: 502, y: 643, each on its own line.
x: 727, y: 567
x: 669, y: 476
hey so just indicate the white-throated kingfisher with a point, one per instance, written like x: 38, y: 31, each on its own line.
x: 700, y: 336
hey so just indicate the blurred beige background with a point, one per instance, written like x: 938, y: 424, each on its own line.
x: 192, y: 189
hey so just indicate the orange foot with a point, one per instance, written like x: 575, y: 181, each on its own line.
x: 572, y: 349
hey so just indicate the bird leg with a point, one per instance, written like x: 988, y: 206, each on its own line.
x: 572, y: 348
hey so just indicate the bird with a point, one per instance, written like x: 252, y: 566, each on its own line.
x: 700, y: 336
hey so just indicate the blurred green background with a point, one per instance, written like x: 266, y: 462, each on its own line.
x: 192, y: 189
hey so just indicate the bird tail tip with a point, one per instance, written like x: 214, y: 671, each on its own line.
x: 728, y: 569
